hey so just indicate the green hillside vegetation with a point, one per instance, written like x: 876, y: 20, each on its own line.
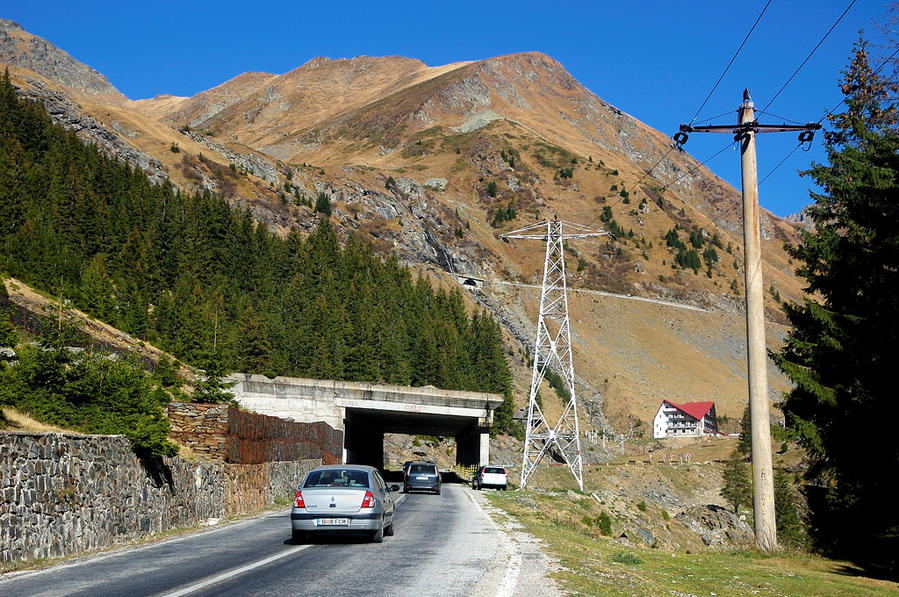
x: 208, y: 284
x: 90, y: 392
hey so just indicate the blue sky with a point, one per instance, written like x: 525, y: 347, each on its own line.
x: 654, y: 60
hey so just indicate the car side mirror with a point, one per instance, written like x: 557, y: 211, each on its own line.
x: 394, y: 488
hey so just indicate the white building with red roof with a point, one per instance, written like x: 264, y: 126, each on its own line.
x: 684, y: 420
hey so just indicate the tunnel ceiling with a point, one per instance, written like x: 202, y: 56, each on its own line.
x: 410, y: 423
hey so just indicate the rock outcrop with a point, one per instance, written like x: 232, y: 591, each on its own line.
x: 22, y: 49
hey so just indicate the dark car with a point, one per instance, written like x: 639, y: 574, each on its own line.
x: 421, y: 476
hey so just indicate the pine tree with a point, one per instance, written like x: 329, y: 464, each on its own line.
x: 210, y: 386
x: 745, y: 445
x: 8, y: 335
x: 843, y: 404
x: 789, y: 529
x: 737, y: 487
x: 255, y: 347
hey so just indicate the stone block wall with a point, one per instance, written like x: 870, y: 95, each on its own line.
x: 63, y: 494
x: 201, y: 427
x: 223, y: 432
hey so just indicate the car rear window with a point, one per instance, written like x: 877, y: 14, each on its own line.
x: 495, y: 469
x: 422, y: 469
x: 337, y: 477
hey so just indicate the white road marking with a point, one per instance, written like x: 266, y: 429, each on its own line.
x: 236, y: 572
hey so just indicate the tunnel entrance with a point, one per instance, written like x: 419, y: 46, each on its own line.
x: 364, y: 434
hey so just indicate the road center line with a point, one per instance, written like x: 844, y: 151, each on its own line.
x: 236, y: 572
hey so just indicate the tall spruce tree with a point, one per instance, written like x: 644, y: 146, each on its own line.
x: 736, y: 485
x: 843, y: 406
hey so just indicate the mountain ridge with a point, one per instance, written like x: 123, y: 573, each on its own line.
x: 431, y: 163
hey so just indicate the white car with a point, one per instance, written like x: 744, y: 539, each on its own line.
x: 490, y: 476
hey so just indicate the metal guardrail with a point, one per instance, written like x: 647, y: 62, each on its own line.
x: 464, y: 472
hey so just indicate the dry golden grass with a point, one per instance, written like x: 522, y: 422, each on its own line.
x: 19, y: 421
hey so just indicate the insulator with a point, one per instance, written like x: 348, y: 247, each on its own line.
x: 680, y: 138
x: 806, y: 136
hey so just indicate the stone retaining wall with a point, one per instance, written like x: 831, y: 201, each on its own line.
x: 226, y: 433
x: 62, y: 494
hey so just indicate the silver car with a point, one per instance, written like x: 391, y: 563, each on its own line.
x: 343, y: 498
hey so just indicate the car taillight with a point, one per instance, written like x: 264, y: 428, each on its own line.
x: 368, y: 501
x: 299, y: 503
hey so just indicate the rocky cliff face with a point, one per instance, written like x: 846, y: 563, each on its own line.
x: 20, y: 48
x: 66, y: 112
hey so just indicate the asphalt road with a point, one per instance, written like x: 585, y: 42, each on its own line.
x: 443, y: 546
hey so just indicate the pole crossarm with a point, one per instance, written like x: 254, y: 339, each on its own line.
x: 567, y: 229
x: 753, y: 126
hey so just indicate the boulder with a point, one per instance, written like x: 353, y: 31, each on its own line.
x: 717, y: 526
x: 436, y: 184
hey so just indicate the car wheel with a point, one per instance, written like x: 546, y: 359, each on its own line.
x: 297, y: 536
x: 437, y: 491
x: 378, y: 537
x: 389, y: 530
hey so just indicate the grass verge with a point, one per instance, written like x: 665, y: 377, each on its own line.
x: 597, y: 565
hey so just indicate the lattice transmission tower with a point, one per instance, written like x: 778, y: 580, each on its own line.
x: 552, y: 349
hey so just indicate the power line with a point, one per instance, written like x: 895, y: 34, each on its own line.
x: 734, y: 57
x: 716, y: 116
x: 696, y: 168
x: 828, y: 113
x: 799, y: 68
x: 798, y: 145
x: 785, y: 119
x: 714, y: 87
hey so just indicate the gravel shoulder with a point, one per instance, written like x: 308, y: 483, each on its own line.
x: 519, y: 567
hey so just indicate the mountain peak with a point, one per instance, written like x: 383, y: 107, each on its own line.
x: 22, y: 49
x: 7, y: 25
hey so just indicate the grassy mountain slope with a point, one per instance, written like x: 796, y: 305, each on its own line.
x: 514, y: 136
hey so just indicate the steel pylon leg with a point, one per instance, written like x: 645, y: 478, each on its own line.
x: 552, y: 349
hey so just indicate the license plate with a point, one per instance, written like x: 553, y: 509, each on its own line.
x: 425, y: 478
x: 332, y: 522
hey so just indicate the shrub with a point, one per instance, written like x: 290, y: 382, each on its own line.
x: 491, y: 188
x: 90, y: 393
x: 642, y: 506
x: 622, y: 557
x: 604, y: 524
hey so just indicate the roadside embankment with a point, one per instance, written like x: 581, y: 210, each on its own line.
x: 65, y: 493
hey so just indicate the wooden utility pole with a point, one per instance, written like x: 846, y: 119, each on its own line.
x: 756, y: 355
x: 757, y: 358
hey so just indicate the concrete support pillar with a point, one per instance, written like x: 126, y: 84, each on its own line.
x: 484, y: 457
